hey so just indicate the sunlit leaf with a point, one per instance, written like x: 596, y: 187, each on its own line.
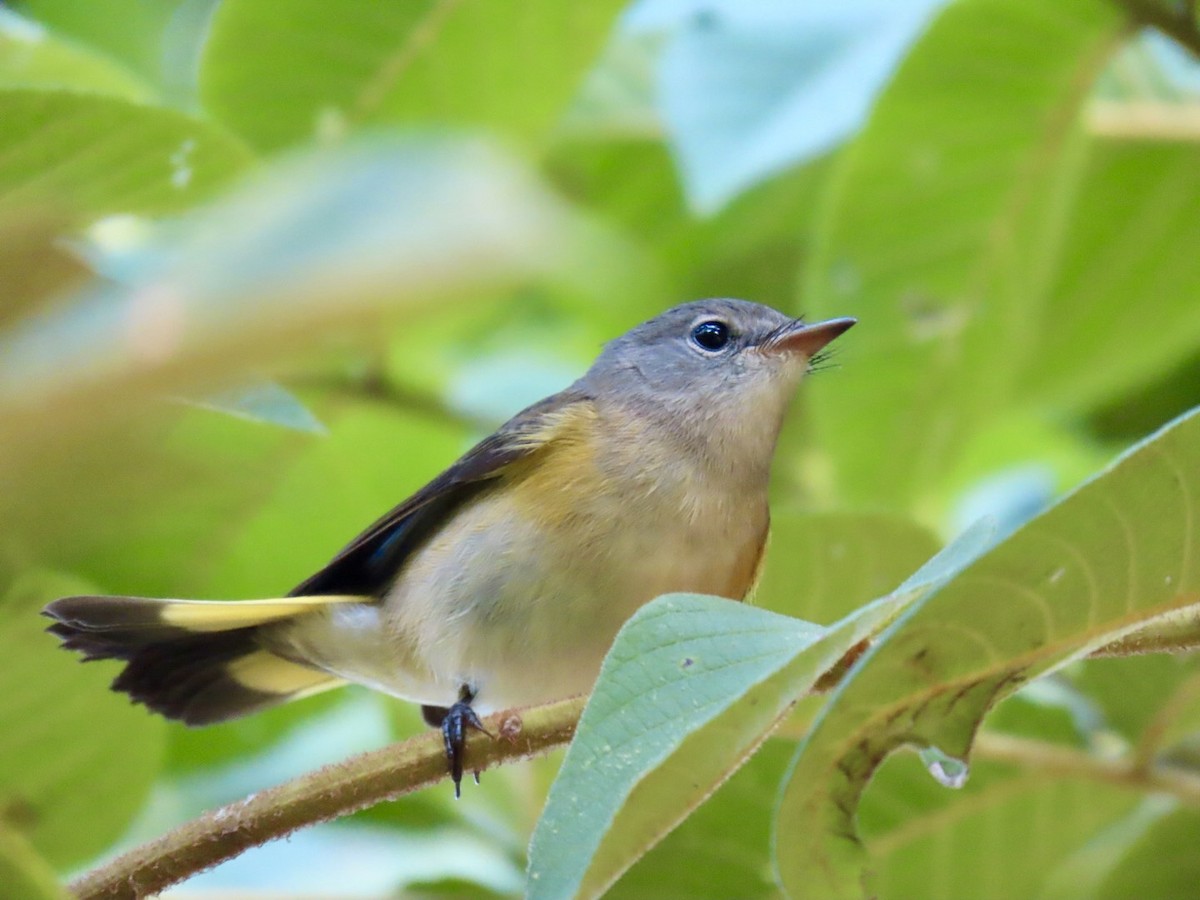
x: 1125, y: 300
x: 94, y: 155
x: 366, y: 62
x: 30, y: 56
x: 1117, y: 553
x: 131, y: 31
x: 331, y: 241
x: 937, y: 232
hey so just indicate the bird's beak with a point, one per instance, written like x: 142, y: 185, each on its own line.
x: 800, y: 337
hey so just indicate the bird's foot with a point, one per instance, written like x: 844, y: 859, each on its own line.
x: 458, y: 719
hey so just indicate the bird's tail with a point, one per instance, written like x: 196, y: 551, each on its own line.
x: 198, y: 661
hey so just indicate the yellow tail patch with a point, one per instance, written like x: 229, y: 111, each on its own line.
x: 269, y: 674
x: 226, y: 615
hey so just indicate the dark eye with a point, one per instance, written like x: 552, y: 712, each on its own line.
x: 711, y: 335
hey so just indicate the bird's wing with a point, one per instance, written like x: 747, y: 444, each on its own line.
x: 369, y: 563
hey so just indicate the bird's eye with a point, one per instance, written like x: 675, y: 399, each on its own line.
x: 711, y: 335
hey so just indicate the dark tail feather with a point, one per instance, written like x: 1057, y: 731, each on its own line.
x: 201, y: 673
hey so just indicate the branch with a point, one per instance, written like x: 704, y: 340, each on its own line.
x: 1176, y: 632
x: 419, y: 762
x: 1178, y: 24
x: 335, y: 790
x: 373, y: 385
x: 1057, y: 760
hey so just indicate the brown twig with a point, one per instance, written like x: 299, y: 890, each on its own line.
x: 319, y: 796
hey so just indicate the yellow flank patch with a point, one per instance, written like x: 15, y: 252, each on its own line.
x: 223, y: 615
x: 266, y: 672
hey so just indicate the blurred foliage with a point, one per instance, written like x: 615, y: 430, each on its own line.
x: 267, y: 268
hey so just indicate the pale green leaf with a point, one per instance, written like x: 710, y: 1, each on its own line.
x: 331, y: 241
x: 76, y: 762
x: 938, y: 231
x: 1118, y: 553
x: 511, y: 65
x: 94, y: 155
x: 678, y: 664
x: 30, y: 56
x: 264, y: 401
x: 131, y: 31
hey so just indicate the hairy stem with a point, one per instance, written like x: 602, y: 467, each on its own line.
x: 1176, y: 632
x: 335, y: 790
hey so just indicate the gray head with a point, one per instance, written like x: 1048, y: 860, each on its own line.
x: 720, y: 373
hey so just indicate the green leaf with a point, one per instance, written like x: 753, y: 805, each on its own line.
x: 32, y: 57
x: 1134, y: 691
x: 1162, y: 862
x: 937, y: 231
x: 996, y: 839
x: 131, y: 31
x: 689, y: 690
x: 76, y: 762
x: 822, y: 566
x: 145, y: 507
x: 1117, y: 554
x: 23, y: 873
x: 1124, y: 304
x: 752, y: 249
x: 673, y: 669
x: 330, y: 241
x: 1148, y: 853
x: 1079, y: 876
x: 510, y: 65
x: 297, y: 528
x: 96, y: 155
x: 704, y: 857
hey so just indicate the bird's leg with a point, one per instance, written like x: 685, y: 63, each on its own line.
x: 454, y: 723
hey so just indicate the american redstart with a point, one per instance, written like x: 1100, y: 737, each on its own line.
x: 504, y: 580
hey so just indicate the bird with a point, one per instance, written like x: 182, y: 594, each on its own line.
x: 503, y: 581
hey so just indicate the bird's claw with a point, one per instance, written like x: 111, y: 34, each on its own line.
x: 459, y: 719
